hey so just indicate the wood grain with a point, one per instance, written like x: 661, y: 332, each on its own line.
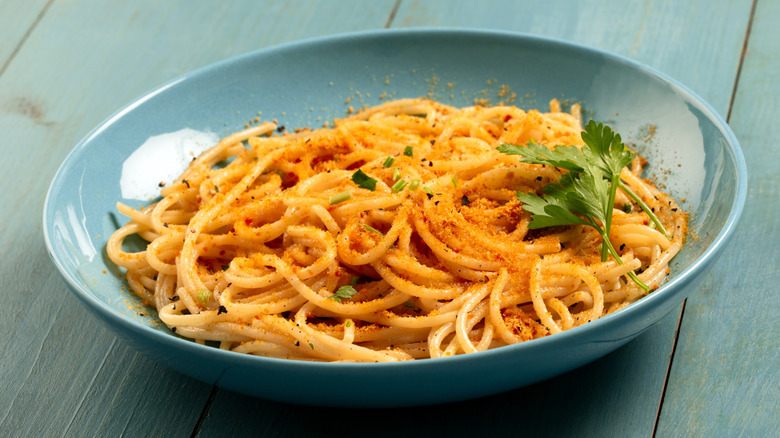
x: 725, y: 378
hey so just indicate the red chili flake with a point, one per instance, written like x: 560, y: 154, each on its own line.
x: 248, y: 221
x: 507, y: 118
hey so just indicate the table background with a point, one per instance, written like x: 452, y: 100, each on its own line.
x: 709, y: 369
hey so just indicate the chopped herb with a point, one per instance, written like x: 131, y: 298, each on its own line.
x: 348, y: 323
x: 455, y: 181
x: 396, y: 174
x: 388, y: 162
x: 340, y: 197
x: 372, y: 229
x: 354, y: 280
x: 311, y: 345
x: 347, y: 291
x: 216, y: 188
x: 414, y: 184
x: 363, y: 180
x: 203, y: 296
x: 408, y: 151
x: 627, y: 208
x: 428, y: 191
x: 397, y: 187
x: 225, y: 267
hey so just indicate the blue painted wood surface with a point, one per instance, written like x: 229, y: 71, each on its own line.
x: 69, y: 64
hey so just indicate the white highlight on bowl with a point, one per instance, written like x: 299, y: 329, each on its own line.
x: 160, y: 159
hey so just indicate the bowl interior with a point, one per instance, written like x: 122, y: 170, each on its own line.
x: 690, y: 149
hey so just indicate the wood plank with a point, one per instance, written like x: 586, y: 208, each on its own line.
x: 725, y: 378
x: 62, y: 372
x: 667, y: 35
x: 16, y: 24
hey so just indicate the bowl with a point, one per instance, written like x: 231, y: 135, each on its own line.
x: 307, y: 83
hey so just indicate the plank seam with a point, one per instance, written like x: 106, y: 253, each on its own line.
x: 741, y: 59
x: 203, y: 413
x: 669, y: 369
x: 25, y: 37
x: 392, y: 14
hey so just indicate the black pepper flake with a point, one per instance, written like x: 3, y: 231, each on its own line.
x: 174, y: 298
x: 187, y: 183
x: 430, y: 164
x: 161, y: 184
x: 430, y: 196
x: 622, y: 246
x: 221, y: 310
x: 538, y: 178
x: 280, y: 128
x: 173, y: 329
x: 436, y: 203
x: 465, y: 200
x: 165, y: 224
x: 433, y: 141
x: 674, y: 209
x: 297, y: 343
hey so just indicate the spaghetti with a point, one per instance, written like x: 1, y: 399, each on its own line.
x: 395, y: 235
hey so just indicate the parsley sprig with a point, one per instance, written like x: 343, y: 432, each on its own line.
x: 585, y: 195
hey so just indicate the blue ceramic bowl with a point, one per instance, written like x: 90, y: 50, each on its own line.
x: 309, y: 82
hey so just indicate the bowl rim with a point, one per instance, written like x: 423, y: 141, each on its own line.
x: 666, y: 291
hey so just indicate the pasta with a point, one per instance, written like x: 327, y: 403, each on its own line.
x: 396, y: 234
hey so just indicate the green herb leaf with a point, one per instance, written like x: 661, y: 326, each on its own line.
x: 414, y: 184
x: 408, y: 151
x: 398, y: 186
x: 563, y: 157
x: 372, y: 229
x: 204, y: 295
x: 344, y: 292
x: 388, y: 162
x: 340, y: 197
x: 363, y: 180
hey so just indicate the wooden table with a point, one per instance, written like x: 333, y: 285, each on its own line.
x: 710, y: 369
